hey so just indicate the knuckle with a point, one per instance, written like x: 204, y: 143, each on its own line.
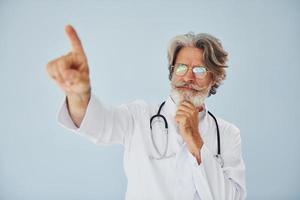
x: 60, y: 62
x: 49, y: 66
x: 69, y: 54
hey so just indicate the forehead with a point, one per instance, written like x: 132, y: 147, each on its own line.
x: 190, y: 55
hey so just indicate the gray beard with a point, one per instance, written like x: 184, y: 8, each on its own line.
x: 196, y: 98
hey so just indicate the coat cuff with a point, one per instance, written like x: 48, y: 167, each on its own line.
x: 64, y: 118
x: 199, y: 172
x: 206, y: 156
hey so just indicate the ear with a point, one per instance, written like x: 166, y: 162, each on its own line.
x: 213, y: 81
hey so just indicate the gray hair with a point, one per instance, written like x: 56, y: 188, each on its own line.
x: 215, y: 57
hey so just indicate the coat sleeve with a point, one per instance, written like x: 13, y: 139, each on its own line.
x: 101, y: 125
x: 215, y: 182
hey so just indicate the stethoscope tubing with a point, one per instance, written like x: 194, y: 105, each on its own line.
x: 161, y: 156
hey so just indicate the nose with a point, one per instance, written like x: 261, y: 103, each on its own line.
x: 189, y: 76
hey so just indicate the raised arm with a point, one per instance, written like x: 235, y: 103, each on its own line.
x: 71, y: 73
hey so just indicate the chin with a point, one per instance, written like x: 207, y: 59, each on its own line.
x: 181, y: 94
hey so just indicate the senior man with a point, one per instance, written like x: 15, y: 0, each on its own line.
x: 173, y: 150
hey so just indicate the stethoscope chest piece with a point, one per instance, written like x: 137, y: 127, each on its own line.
x: 220, y: 160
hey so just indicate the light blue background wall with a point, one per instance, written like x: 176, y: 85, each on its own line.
x: 126, y: 42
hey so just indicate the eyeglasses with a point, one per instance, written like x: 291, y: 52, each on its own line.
x: 181, y: 69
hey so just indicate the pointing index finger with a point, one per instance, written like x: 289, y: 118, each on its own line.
x: 75, y: 41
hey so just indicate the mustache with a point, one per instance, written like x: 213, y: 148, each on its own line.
x: 188, y: 85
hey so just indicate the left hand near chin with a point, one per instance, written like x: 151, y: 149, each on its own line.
x: 187, y: 120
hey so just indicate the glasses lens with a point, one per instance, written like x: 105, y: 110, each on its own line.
x: 181, y: 69
x: 199, y: 71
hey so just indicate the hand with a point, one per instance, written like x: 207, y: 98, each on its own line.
x: 187, y: 120
x: 71, y: 71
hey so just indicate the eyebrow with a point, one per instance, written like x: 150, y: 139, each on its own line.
x: 199, y: 65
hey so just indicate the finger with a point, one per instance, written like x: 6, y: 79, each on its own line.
x: 65, y: 62
x: 58, y: 76
x: 71, y: 76
x: 181, y: 118
x: 53, y: 71
x: 188, y: 104
x: 62, y: 65
x: 200, y: 108
x: 183, y: 113
x: 192, y: 106
x: 187, y: 109
x: 75, y: 41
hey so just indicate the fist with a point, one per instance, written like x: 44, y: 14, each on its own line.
x: 71, y: 71
x: 188, y: 122
x: 187, y: 118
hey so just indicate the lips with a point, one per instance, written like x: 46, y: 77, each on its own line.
x: 186, y: 88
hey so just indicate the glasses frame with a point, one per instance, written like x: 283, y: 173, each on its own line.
x: 176, y: 65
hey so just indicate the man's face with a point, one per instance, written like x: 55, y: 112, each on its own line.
x: 188, y: 86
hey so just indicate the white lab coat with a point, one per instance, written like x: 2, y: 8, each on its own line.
x: 178, y: 177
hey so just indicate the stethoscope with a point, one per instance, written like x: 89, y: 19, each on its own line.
x: 164, y: 154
